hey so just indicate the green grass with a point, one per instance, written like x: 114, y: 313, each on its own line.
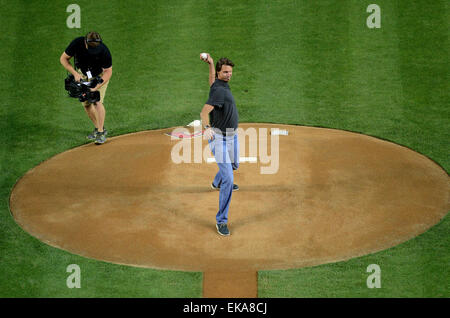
x: 310, y: 63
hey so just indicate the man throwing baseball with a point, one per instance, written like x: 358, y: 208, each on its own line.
x: 220, y: 120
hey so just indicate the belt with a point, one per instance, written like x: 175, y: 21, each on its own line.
x: 228, y: 133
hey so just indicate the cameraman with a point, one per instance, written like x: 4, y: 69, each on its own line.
x: 92, y: 58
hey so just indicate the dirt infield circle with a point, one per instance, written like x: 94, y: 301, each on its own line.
x: 336, y: 195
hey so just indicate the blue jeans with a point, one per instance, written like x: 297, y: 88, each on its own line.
x: 226, y: 153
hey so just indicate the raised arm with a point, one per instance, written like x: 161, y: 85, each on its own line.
x: 212, y: 70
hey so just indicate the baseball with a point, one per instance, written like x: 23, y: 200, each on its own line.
x: 204, y: 56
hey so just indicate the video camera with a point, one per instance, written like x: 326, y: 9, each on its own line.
x: 82, y: 90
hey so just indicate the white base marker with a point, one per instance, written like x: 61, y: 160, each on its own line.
x: 241, y: 159
x: 283, y: 132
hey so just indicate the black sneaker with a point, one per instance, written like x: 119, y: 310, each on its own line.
x: 100, y: 138
x: 93, y: 135
x: 235, y: 187
x: 222, y: 229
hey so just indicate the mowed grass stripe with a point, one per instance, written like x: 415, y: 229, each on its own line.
x: 8, y: 39
x: 273, y: 68
x: 424, y: 52
x: 423, y: 46
x: 25, y: 139
x: 374, y: 80
x: 302, y: 80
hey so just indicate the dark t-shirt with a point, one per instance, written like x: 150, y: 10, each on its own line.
x: 225, y: 114
x: 94, y: 59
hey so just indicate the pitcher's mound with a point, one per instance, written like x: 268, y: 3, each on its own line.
x: 335, y: 195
